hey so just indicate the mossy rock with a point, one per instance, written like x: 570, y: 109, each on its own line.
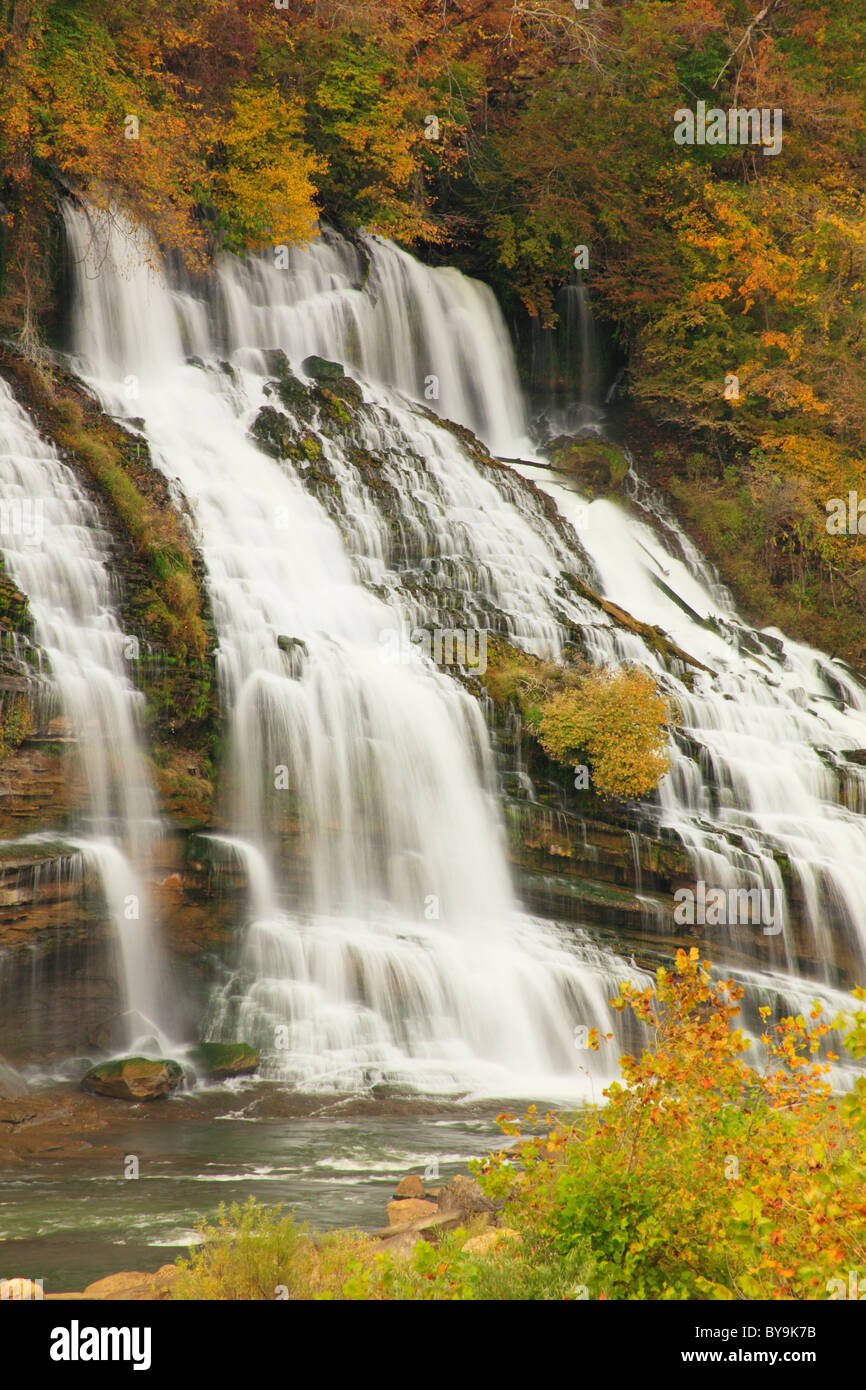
x: 332, y: 378
x: 14, y: 607
x: 290, y: 645
x: 274, y: 432
x: 134, y: 1078
x: 600, y: 467
x: 288, y: 389
x: 320, y: 369
x: 227, y: 1059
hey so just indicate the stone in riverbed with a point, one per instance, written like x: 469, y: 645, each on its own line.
x: 134, y: 1078
x: 227, y: 1059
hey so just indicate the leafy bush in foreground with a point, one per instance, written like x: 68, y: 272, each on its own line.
x: 704, y: 1177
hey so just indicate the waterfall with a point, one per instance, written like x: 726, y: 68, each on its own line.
x: 759, y: 775
x: 56, y: 551
x: 566, y: 382
x: 387, y: 942
x: 391, y: 946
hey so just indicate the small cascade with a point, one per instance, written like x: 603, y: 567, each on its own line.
x: 56, y: 551
x: 565, y: 375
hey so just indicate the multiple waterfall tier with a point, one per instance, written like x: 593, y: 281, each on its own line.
x: 398, y: 951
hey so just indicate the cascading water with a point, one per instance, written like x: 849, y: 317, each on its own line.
x: 759, y: 777
x: 401, y: 954
x: 565, y: 371
x: 433, y: 334
x: 55, y: 550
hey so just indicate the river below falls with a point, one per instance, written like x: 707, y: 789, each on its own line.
x: 333, y: 1161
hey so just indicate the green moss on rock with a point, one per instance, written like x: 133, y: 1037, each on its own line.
x: 600, y: 467
x: 134, y: 1078
x: 227, y: 1059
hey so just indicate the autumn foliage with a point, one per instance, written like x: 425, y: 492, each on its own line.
x: 618, y: 720
x: 706, y: 1176
x: 501, y: 134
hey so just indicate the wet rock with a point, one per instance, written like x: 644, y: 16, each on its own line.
x: 274, y: 432
x: 287, y: 388
x: 292, y: 645
x: 320, y: 369
x: 227, y: 1059
x: 134, y: 1078
x: 333, y: 380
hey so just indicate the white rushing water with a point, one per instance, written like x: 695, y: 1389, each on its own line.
x: 399, y: 952
x: 401, y: 955
x: 56, y: 551
x: 759, y: 773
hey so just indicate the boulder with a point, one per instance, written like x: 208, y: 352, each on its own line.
x: 291, y: 645
x: 227, y: 1059
x: 294, y: 395
x: 402, y: 1242
x: 410, y: 1186
x: 429, y: 1228
x: 404, y: 1211
x: 133, y: 1078
x: 464, y: 1196
x: 275, y: 433
x: 320, y: 369
x: 332, y: 380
